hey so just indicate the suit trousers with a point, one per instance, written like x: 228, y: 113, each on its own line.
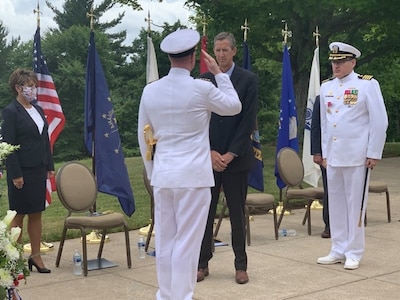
x: 346, y: 188
x: 234, y: 185
x: 180, y: 219
x: 325, y: 202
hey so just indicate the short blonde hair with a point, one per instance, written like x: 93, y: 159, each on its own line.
x: 21, y: 77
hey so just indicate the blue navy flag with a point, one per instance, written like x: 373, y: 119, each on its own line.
x: 246, y: 56
x: 102, y: 137
x: 287, y: 130
x: 255, y: 176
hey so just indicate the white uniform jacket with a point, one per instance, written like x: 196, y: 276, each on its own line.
x: 353, y: 120
x: 178, y: 108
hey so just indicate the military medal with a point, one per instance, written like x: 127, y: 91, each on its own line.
x: 329, y: 107
x: 350, y: 97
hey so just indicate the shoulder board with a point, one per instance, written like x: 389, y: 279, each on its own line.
x: 328, y: 79
x: 365, y: 77
x: 205, y: 79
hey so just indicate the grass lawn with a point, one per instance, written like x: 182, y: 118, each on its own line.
x: 54, y: 215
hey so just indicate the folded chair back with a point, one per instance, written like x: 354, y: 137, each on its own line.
x: 290, y: 167
x: 291, y: 171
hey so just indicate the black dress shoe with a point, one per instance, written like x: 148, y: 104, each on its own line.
x: 326, y: 234
x: 39, y: 269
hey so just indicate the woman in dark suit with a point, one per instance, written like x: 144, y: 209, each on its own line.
x: 24, y: 124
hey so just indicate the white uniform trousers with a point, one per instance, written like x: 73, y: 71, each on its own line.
x: 345, y: 193
x: 180, y: 220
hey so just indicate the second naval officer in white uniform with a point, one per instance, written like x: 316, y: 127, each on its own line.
x: 353, y: 133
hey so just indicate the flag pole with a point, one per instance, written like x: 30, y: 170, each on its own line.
x: 37, y: 12
x: 145, y: 230
x: 316, y: 34
x: 245, y: 28
x: 94, y: 237
x: 92, y: 16
x: 202, y: 65
x: 204, y: 23
x: 255, y: 174
x: 148, y: 20
x: 316, y: 204
x: 285, y: 33
x: 44, y: 246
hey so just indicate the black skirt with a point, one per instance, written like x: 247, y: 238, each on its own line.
x: 31, y: 197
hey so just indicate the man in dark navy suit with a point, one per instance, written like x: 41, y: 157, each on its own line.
x: 232, y: 156
x: 317, y: 154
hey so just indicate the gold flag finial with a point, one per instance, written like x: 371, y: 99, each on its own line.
x: 246, y: 28
x: 37, y: 12
x: 204, y: 22
x: 92, y: 17
x: 148, y: 20
x: 286, y: 33
x: 316, y: 34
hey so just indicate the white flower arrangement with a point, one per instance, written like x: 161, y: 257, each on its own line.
x: 6, y: 149
x: 12, y: 263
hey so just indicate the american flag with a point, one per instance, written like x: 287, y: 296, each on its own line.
x: 47, y: 98
x: 203, y: 65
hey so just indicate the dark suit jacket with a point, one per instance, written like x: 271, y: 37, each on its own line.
x: 316, y: 129
x: 232, y: 133
x: 18, y: 128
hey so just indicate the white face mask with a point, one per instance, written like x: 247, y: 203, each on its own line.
x: 29, y: 93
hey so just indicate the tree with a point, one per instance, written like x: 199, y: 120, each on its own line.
x: 66, y: 51
x: 7, y: 51
x: 337, y: 20
x: 127, y: 95
x: 4, y: 55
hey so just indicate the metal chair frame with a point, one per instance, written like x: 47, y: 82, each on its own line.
x: 77, y: 191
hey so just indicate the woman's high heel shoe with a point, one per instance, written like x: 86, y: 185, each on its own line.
x: 39, y: 269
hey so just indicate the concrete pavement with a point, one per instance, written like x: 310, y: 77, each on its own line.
x: 283, y: 269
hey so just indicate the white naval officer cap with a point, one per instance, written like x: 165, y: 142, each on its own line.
x: 180, y: 43
x: 341, y: 50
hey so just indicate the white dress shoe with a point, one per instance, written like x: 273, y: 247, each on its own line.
x: 329, y: 260
x: 351, y: 264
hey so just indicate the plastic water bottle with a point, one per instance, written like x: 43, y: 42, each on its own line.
x: 287, y: 232
x: 141, y: 246
x: 77, y: 260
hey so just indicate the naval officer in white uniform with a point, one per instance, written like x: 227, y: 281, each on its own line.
x: 178, y: 109
x: 353, y: 132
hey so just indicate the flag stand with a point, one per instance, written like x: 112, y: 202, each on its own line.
x: 98, y: 263
x: 44, y: 247
x: 145, y: 230
x: 103, y: 142
x: 316, y: 205
x: 279, y: 209
x: 95, y: 237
